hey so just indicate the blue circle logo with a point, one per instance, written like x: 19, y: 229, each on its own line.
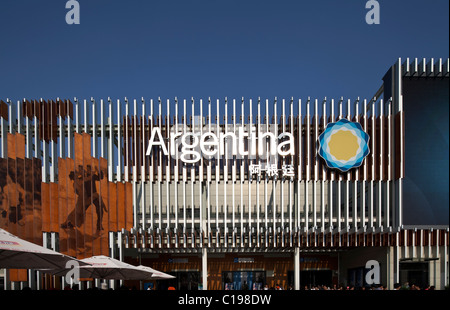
x: 343, y: 145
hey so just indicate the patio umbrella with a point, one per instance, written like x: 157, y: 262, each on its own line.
x: 106, y: 268
x: 20, y: 254
x: 157, y: 275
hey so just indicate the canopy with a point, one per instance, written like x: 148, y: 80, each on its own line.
x: 157, y: 275
x: 106, y: 268
x: 17, y: 253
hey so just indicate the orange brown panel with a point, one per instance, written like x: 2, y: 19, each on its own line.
x: 70, y: 219
x: 103, y: 207
x: 18, y: 275
x: 45, y: 196
x: 4, y: 201
x: 20, y: 195
x: 54, y: 207
x: 120, y: 205
x: 87, y: 228
x: 64, y: 223
x: 28, y: 192
x: 112, y: 212
x: 129, y: 205
x: 3, y: 110
x: 37, y: 209
x: 11, y: 191
x: 76, y: 209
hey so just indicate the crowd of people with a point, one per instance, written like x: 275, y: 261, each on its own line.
x: 378, y: 287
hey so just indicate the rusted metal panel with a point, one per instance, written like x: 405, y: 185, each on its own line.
x: 112, y: 210
x: 29, y: 198
x: 121, y: 205
x: 129, y: 206
x: 37, y: 207
x: 64, y: 223
x: 102, y: 208
x: 46, y: 220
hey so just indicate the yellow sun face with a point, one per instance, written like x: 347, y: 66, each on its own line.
x: 343, y: 145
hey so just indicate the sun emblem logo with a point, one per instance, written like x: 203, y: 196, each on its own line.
x: 343, y: 145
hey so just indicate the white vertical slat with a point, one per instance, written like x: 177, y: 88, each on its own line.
x: 159, y: 178
x: 234, y: 184
x: 217, y: 172
x: 339, y: 192
x: 28, y: 135
x: 184, y: 173
x: 399, y: 99
x: 176, y: 175
x: 332, y: 179
x: 347, y: 183
x: 19, y: 117
x: 364, y: 182
x: 94, y: 127
x: 127, y: 138
x: 274, y: 180
x: 86, y: 114
x: 266, y: 201
x: 53, y: 140
x: 209, y: 175
x: 372, y: 181
x: 258, y: 180
x: 119, y: 142
x: 283, y: 126
x: 291, y: 192
x: 299, y: 167
x: 389, y: 166
x: 200, y: 177
x: 110, y: 143
x: 143, y: 176
x: 381, y: 203
x: 167, y: 178
x: 316, y: 162
x: 135, y: 144
x: 151, y: 164
x: 102, y: 129
x: 77, y: 117
x: 356, y: 181
x: 324, y: 172
x: 308, y: 161
x: 225, y: 178
x: 45, y: 155
x: 70, y: 145
x: 12, y: 116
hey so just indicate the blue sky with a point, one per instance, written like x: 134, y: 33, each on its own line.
x: 217, y: 49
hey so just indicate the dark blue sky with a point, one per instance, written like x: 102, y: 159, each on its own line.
x: 214, y: 48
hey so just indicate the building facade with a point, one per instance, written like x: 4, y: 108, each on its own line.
x: 226, y: 194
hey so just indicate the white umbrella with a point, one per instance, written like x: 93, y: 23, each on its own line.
x: 106, y: 268
x: 157, y: 275
x: 17, y: 253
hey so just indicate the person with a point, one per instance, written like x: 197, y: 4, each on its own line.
x: 397, y: 286
x: 245, y: 286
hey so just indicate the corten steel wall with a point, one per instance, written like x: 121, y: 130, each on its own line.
x: 72, y: 197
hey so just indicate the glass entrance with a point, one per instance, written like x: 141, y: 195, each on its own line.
x: 414, y: 273
x: 243, y: 280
